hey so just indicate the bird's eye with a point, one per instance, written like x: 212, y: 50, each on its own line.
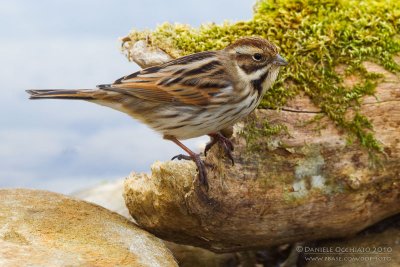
x: 257, y: 57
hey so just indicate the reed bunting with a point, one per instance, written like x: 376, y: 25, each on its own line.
x: 191, y: 96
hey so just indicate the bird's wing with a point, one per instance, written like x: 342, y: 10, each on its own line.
x: 190, y: 80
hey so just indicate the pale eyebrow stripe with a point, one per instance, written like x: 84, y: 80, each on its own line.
x: 248, y: 49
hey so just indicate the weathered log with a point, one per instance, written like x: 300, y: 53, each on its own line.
x: 305, y: 183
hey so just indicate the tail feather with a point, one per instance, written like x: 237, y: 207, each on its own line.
x: 84, y: 94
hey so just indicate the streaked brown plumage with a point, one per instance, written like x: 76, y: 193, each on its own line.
x: 193, y: 95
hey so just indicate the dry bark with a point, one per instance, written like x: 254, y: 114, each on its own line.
x: 305, y: 185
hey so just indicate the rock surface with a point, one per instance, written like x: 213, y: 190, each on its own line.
x: 40, y: 228
x: 109, y: 195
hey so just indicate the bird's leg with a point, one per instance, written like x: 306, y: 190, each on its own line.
x: 201, y: 167
x: 225, y: 142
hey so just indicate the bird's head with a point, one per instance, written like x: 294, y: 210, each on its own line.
x: 255, y: 54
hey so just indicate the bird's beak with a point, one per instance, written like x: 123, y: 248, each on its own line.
x: 280, y: 61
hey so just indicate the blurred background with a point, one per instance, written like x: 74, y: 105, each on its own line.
x: 65, y: 146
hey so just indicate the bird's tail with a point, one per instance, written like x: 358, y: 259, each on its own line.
x: 82, y: 94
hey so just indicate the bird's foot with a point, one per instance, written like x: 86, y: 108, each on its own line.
x: 181, y: 157
x: 224, y: 142
x: 201, y: 166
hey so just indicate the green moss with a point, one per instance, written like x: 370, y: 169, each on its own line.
x: 255, y: 129
x: 315, y: 36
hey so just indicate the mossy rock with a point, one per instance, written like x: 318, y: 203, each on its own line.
x: 318, y: 38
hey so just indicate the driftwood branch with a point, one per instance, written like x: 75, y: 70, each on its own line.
x: 305, y: 185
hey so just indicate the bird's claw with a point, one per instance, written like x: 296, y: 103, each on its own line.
x: 181, y: 156
x: 224, y: 142
x: 201, y: 167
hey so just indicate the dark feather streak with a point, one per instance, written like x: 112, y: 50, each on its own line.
x: 251, y: 103
x: 190, y: 58
x: 257, y: 84
x: 169, y: 116
x: 175, y: 127
x: 210, y: 85
x: 130, y: 76
x: 169, y: 81
x: 204, y: 68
